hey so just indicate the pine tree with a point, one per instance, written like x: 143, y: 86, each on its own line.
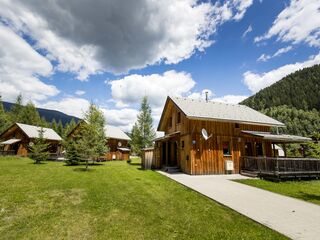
x: 4, y: 118
x: 30, y: 115
x: 72, y: 153
x: 54, y: 125
x: 16, y: 109
x: 92, y: 143
x: 39, y: 149
x: 143, y: 132
x: 60, y: 128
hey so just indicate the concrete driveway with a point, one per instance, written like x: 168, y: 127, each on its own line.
x: 294, y: 218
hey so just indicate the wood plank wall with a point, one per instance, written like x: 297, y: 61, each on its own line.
x: 206, y: 157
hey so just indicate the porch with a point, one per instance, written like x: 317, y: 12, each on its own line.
x: 277, y: 168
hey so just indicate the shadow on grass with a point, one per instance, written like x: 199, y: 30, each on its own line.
x: 83, y: 169
x: 309, y: 197
x: 41, y: 163
x: 134, y: 164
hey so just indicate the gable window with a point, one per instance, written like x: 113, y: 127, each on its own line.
x: 182, y: 144
x: 179, y: 117
x: 226, y: 148
x: 237, y: 125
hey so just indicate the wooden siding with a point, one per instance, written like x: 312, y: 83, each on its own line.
x: 195, y: 154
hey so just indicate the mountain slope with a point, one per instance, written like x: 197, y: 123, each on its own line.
x: 49, y: 115
x: 300, y: 90
x: 294, y: 100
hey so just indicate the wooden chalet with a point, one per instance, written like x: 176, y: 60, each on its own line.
x: 17, y: 139
x: 205, y: 137
x: 117, y: 141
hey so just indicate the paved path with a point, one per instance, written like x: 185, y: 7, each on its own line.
x: 292, y: 217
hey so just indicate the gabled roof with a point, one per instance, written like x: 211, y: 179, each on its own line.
x: 33, y: 132
x: 116, y: 133
x: 216, y: 111
x: 279, y: 138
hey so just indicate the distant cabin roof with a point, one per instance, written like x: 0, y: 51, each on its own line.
x: 115, y: 132
x: 33, y: 132
x: 208, y: 110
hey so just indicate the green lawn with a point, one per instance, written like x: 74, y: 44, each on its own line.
x: 305, y: 190
x: 114, y: 200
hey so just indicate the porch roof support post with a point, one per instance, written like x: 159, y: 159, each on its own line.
x: 284, y: 149
x: 274, y: 150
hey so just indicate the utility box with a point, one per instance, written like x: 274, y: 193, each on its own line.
x: 229, y: 166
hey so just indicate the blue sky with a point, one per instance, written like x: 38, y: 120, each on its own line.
x: 62, y: 55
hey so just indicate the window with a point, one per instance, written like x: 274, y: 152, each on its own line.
x: 170, y: 122
x: 237, y: 125
x: 179, y: 117
x: 226, y: 149
x: 182, y: 144
x: 259, y: 150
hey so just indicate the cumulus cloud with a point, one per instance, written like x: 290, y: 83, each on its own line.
x: 71, y: 105
x: 157, y: 87
x: 265, y: 57
x: 299, y: 22
x: 87, y: 37
x: 256, y: 81
x: 75, y: 106
x: 20, y: 68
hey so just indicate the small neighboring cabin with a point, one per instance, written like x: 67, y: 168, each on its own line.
x: 204, y: 137
x: 17, y: 139
x: 117, y: 141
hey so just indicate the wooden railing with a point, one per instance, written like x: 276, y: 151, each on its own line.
x: 7, y: 153
x: 290, y: 167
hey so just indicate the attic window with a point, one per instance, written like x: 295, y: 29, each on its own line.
x: 237, y: 125
x: 179, y: 117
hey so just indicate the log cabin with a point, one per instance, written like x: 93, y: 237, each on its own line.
x: 205, y: 137
x: 17, y: 138
x: 117, y: 142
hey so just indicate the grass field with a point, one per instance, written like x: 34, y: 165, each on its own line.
x: 305, y: 190
x: 113, y: 200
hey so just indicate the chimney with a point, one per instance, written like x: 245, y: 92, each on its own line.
x: 207, y: 98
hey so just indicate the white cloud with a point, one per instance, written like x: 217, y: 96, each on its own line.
x: 80, y: 92
x: 71, y: 105
x: 265, y: 57
x: 157, y: 87
x: 249, y: 29
x: 20, y: 67
x: 234, y: 99
x: 74, y: 106
x: 90, y: 37
x: 256, y: 82
x: 299, y: 22
x: 122, y: 118
x: 202, y: 94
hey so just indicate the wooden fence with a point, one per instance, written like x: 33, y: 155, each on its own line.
x: 268, y: 167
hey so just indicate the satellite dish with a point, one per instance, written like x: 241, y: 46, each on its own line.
x: 205, y: 134
x: 119, y: 144
x: 31, y: 144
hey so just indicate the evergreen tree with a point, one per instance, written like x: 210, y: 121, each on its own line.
x: 30, y: 115
x: 143, y: 132
x: 92, y: 143
x: 72, y: 153
x: 69, y: 127
x: 60, y: 128
x: 54, y: 125
x: 4, y: 118
x: 39, y: 149
x: 16, y: 109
